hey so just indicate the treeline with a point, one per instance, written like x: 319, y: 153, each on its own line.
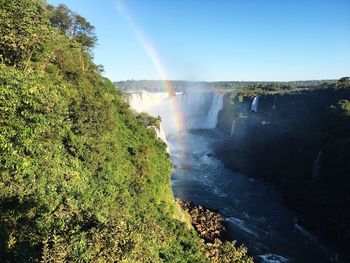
x: 82, y: 178
x: 182, y: 85
x: 158, y: 85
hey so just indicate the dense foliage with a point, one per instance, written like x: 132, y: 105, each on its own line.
x: 74, y: 25
x: 82, y: 178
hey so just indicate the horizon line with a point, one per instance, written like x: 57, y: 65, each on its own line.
x: 211, y: 81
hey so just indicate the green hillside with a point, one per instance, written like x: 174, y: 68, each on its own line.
x: 82, y: 178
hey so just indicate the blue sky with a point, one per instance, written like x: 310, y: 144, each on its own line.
x: 222, y: 39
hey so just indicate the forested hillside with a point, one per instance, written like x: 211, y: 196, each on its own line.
x: 82, y: 177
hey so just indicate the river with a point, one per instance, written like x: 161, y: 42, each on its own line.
x: 253, y: 211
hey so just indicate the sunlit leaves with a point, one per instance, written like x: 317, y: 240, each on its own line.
x: 82, y: 178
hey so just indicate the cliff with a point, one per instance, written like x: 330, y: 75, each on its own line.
x: 300, y: 143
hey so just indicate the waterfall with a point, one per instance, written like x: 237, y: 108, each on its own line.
x: 155, y: 104
x: 143, y: 101
x: 255, y: 104
x: 317, y: 167
x: 216, y: 106
x: 274, y: 103
x: 194, y: 108
x: 233, y: 128
x: 199, y: 110
x: 160, y: 134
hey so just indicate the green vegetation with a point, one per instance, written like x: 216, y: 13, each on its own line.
x: 82, y: 178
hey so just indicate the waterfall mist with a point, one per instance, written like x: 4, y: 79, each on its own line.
x: 199, y: 110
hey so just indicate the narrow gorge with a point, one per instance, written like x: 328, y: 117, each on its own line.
x: 213, y: 166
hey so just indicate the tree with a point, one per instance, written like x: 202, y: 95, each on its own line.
x: 73, y: 25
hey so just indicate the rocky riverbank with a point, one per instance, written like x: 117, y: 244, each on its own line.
x: 208, y: 224
x: 211, y: 229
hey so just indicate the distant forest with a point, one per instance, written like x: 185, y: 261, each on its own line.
x: 182, y: 85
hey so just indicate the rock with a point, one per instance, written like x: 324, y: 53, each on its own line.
x: 208, y: 224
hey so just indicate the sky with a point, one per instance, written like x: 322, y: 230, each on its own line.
x: 219, y: 40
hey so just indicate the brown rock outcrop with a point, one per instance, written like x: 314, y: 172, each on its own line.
x: 208, y: 224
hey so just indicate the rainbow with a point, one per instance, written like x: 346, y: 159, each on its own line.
x: 157, y: 62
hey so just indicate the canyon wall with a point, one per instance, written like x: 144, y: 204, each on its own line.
x: 300, y: 143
